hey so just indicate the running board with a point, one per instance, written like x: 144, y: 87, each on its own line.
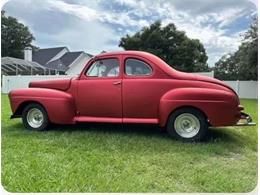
x: 116, y: 120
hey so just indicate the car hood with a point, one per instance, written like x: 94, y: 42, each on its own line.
x: 59, y: 84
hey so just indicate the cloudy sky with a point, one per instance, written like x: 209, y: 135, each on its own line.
x: 96, y: 25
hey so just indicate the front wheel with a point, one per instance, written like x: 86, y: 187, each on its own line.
x: 35, y: 117
x: 187, y: 124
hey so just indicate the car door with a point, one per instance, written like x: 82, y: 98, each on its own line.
x: 141, y: 90
x: 99, y: 89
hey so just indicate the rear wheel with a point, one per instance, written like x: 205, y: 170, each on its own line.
x: 35, y: 117
x: 187, y: 124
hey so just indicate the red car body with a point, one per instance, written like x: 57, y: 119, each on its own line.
x: 130, y: 99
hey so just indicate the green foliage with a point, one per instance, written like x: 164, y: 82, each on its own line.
x: 14, y: 36
x: 241, y: 65
x: 126, y: 158
x: 170, y: 44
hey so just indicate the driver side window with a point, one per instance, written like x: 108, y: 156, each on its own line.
x: 104, y: 68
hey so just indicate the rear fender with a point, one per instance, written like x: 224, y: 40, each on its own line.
x: 59, y: 105
x: 219, y: 106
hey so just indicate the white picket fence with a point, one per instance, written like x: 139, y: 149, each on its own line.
x: 209, y: 74
x: 244, y: 89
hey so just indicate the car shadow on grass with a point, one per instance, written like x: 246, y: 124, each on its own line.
x: 214, y: 135
x: 130, y: 129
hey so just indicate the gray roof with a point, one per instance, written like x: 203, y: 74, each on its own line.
x: 63, y: 63
x: 42, y: 56
x: 69, y: 57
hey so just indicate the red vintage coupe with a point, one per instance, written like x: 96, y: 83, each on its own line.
x: 131, y: 87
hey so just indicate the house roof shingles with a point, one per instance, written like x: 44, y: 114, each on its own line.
x: 42, y: 56
x: 69, y: 57
x: 63, y: 63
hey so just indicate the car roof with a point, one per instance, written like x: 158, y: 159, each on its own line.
x: 151, y: 57
x: 128, y: 52
x: 144, y: 54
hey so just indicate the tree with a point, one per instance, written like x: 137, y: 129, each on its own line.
x: 242, y: 64
x: 14, y: 36
x: 170, y: 44
x: 227, y: 68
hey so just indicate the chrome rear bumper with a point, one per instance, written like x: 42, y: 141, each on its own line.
x: 245, y: 120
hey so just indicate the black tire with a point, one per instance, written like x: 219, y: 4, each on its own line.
x: 45, y: 120
x: 199, y: 133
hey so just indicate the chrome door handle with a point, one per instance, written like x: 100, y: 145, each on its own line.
x: 117, y: 83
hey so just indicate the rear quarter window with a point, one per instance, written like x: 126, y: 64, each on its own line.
x: 135, y: 67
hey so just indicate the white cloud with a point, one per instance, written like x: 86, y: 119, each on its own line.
x: 92, y: 37
x: 100, y: 28
x: 208, y: 28
x: 86, y: 13
x: 255, y: 2
x: 130, y: 3
x: 210, y: 36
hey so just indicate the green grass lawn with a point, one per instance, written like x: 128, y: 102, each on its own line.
x: 126, y: 158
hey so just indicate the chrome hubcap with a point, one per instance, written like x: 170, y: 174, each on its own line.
x: 35, y: 117
x: 187, y: 125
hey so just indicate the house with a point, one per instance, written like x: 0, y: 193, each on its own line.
x: 60, y: 59
x: 48, y: 61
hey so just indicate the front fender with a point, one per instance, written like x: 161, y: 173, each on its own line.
x: 59, y: 105
x: 219, y: 106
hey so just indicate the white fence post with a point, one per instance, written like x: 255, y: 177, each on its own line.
x: 212, y: 73
x: 237, y: 87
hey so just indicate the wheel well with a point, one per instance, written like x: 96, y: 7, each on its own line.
x: 193, y: 107
x: 21, y: 107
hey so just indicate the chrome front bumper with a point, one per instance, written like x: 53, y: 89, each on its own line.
x: 245, y: 120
